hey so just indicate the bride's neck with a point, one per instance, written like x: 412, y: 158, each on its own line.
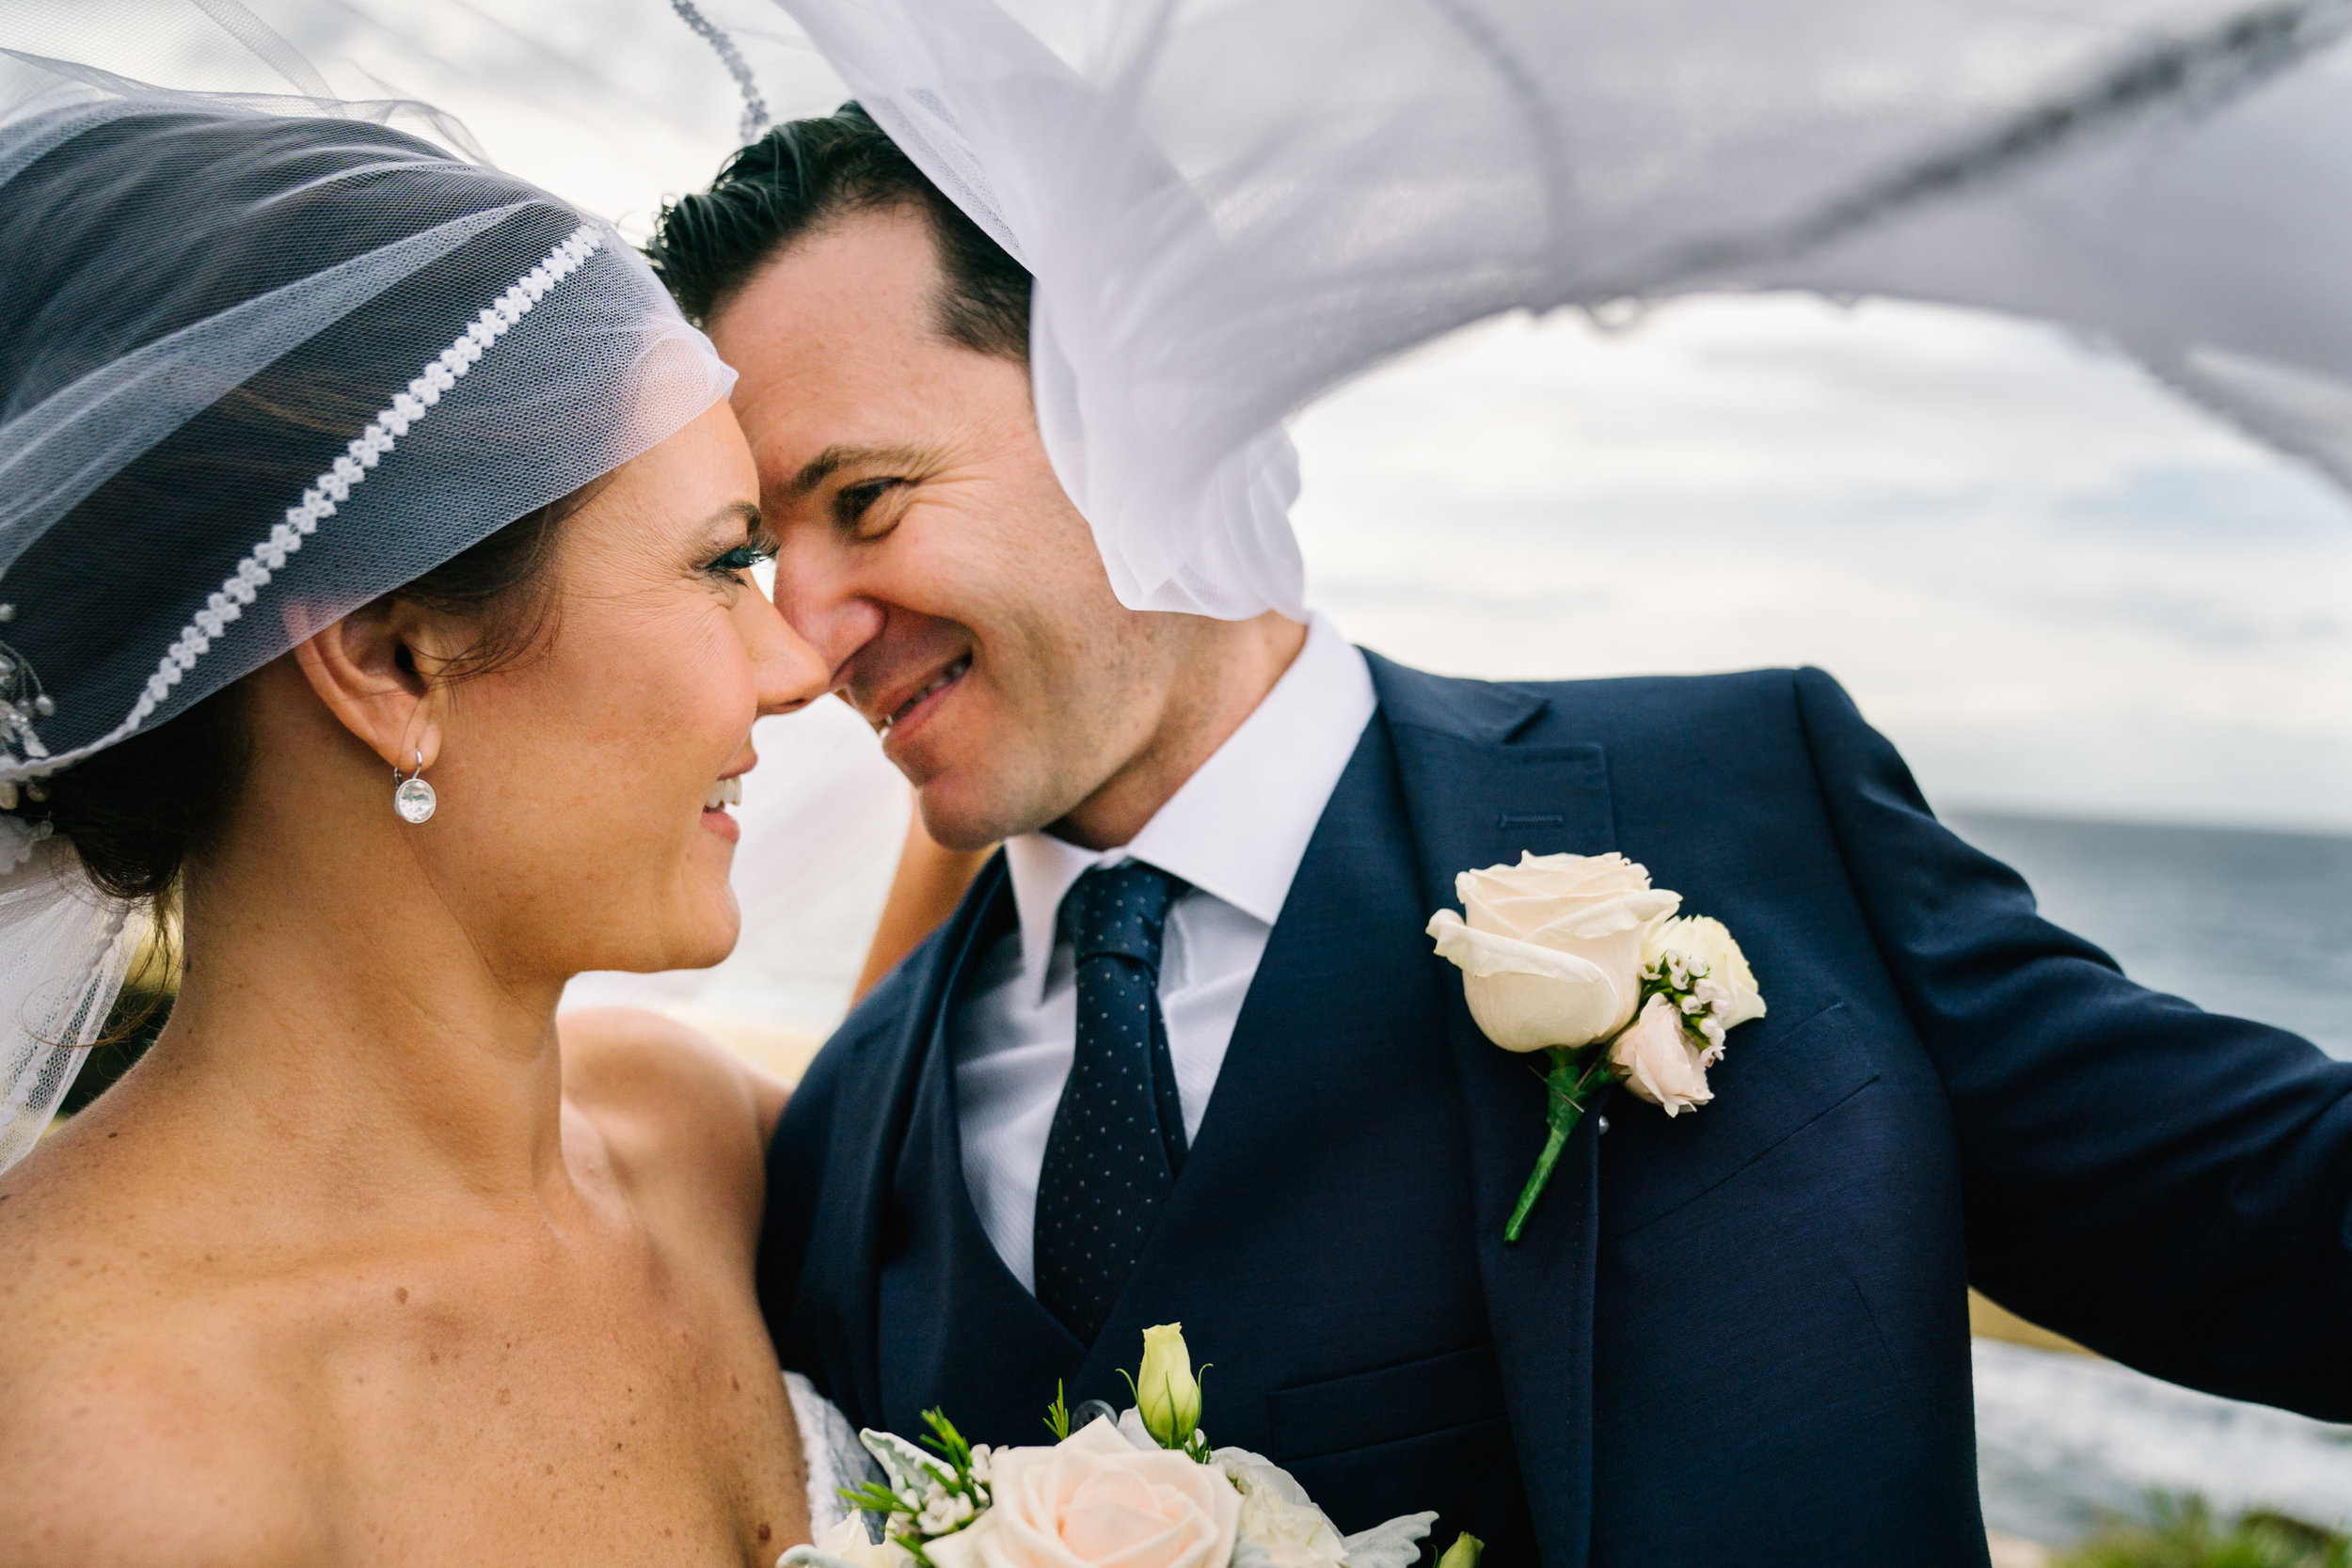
x: 336, y: 1005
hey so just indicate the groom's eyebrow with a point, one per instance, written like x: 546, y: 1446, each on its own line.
x: 833, y: 459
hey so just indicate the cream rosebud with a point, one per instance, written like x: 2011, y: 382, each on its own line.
x: 1464, y: 1553
x: 1706, y: 942
x: 1551, y: 949
x: 1167, y: 1395
x: 1659, y: 1063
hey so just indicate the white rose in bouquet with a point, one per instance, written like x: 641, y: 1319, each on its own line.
x: 1281, y: 1526
x: 1551, y: 949
x: 1095, y: 1498
x: 1143, y: 1492
x: 846, y: 1542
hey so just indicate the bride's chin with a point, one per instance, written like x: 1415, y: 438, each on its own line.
x: 697, y: 943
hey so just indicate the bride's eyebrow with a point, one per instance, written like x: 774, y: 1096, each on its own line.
x: 833, y: 459
x: 740, y: 512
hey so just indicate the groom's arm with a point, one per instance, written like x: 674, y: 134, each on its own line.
x: 2170, y: 1186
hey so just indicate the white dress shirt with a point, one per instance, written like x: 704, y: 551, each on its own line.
x: 1236, y: 832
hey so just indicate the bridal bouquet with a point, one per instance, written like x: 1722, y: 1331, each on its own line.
x: 1579, y: 957
x: 1141, y: 1489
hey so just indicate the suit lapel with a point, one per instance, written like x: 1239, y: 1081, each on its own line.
x: 1476, y: 796
x: 841, y: 1284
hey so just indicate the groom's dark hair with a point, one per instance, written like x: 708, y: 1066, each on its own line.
x: 805, y: 173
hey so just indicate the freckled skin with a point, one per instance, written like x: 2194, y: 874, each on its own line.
x: 364, y: 1264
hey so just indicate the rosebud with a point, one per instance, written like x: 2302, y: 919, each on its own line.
x: 1464, y: 1553
x: 1166, y: 1396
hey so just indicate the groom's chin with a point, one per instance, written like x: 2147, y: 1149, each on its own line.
x: 970, y: 808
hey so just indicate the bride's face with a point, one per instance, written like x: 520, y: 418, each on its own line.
x: 582, y: 785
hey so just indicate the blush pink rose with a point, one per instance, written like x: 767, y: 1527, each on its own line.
x: 1659, y: 1063
x: 1095, y: 1500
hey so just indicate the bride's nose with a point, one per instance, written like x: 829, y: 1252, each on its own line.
x: 788, y: 672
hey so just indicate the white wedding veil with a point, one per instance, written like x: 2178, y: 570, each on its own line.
x: 261, y: 360
x: 1229, y: 206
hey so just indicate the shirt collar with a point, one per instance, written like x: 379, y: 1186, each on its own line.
x: 1238, y: 828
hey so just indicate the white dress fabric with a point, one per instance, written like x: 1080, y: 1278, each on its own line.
x: 828, y: 1445
x: 1230, y: 206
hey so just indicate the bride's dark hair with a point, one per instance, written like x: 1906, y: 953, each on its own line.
x: 136, y: 811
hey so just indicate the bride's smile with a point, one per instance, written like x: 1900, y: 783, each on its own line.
x: 359, y: 1229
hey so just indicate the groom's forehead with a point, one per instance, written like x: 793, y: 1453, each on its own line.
x: 843, y: 362
x: 862, y: 286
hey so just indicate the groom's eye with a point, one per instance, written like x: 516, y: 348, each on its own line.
x: 853, y: 504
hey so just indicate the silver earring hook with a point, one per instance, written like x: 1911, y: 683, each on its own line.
x: 412, y: 798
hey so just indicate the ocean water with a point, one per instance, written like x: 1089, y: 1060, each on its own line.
x: 2255, y: 923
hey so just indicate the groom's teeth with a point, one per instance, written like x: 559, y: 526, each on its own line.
x: 940, y: 682
x: 725, y: 793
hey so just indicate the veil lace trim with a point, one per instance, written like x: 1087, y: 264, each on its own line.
x: 368, y: 448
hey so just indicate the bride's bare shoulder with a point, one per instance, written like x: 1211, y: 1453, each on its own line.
x: 669, y: 1099
x: 115, y: 1378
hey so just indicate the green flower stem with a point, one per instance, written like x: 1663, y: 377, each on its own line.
x: 1569, y: 1083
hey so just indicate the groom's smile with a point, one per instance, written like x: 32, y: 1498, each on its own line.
x: 928, y: 551
x: 899, y: 707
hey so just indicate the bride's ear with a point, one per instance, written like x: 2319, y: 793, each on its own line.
x: 372, y: 669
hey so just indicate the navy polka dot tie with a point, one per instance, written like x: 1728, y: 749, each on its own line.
x: 1118, y: 1138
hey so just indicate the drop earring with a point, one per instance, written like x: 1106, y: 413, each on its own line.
x: 412, y: 796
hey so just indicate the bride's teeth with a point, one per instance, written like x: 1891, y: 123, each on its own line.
x: 725, y: 793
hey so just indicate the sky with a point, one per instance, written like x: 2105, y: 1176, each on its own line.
x: 2057, y: 587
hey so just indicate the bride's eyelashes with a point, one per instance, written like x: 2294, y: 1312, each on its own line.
x: 755, y: 552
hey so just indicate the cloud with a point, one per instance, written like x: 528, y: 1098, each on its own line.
x: 2049, y: 579
x: 2052, y: 582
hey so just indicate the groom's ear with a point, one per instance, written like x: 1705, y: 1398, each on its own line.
x: 374, y: 671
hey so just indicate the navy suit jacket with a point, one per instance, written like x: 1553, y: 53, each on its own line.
x: 1738, y: 1334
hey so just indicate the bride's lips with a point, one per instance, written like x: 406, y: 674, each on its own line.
x: 913, y: 706
x: 727, y: 792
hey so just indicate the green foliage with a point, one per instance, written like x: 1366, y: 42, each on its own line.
x: 948, y: 1442
x: 925, y: 1499
x: 2183, y: 1532
x: 1057, y: 1414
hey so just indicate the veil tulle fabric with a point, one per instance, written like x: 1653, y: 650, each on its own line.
x: 1231, y: 205
x: 261, y: 361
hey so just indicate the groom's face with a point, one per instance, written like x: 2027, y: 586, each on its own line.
x: 928, y: 551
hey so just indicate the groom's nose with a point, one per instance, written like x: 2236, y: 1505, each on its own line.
x: 817, y: 595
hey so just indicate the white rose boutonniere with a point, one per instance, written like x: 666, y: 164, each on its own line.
x: 1579, y: 957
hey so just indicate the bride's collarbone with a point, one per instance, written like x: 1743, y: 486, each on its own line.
x: 416, y: 1387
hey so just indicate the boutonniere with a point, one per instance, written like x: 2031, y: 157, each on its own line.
x: 1579, y: 957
